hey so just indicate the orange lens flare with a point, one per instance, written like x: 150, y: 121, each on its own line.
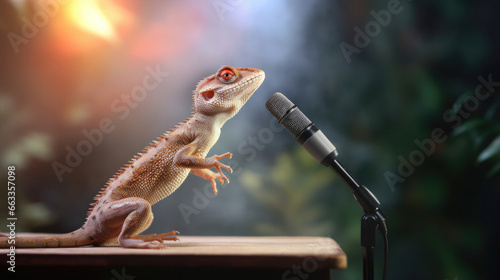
x: 88, y: 16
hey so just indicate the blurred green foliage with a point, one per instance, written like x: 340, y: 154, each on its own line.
x: 291, y: 193
x: 484, y: 136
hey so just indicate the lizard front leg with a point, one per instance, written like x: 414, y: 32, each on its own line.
x: 200, y: 166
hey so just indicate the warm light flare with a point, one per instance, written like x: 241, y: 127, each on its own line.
x: 87, y: 15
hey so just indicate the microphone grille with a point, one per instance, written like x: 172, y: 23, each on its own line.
x: 293, y: 120
x: 278, y: 105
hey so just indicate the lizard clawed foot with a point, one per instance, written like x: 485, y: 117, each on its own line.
x: 211, y: 177
x: 223, y: 156
x: 220, y: 176
x: 149, y: 241
x: 218, y: 165
x: 139, y: 244
x: 158, y: 237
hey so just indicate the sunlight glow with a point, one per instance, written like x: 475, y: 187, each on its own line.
x: 87, y: 15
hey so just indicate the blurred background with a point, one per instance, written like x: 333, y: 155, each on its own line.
x: 379, y: 80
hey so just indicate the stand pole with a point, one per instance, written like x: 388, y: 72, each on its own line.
x: 372, y: 220
x: 368, y: 267
x: 369, y: 224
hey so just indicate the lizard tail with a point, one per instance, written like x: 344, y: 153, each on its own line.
x: 72, y: 239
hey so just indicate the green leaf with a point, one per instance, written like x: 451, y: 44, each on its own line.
x: 491, y: 151
x: 469, y: 126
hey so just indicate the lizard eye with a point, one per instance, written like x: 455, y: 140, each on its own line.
x: 227, y: 76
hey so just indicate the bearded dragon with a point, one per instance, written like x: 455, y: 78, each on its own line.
x: 122, y: 209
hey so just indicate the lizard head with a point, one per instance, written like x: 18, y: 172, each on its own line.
x: 225, y: 92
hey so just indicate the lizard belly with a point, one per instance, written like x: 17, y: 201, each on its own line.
x: 153, y: 177
x: 168, y: 183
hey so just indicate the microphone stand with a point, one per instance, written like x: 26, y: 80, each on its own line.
x: 372, y: 219
x: 316, y: 143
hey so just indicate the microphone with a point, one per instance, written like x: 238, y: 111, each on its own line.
x: 304, y: 131
x: 316, y: 143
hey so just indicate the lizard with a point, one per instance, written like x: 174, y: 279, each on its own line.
x: 122, y: 209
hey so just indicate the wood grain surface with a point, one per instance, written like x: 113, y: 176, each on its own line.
x: 197, y: 251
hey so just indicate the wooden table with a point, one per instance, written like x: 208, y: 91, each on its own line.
x: 193, y: 257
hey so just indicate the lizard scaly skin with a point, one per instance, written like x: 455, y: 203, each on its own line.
x: 123, y: 207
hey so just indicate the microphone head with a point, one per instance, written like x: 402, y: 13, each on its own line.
x: 278, y: 105
x: 287, y: 114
